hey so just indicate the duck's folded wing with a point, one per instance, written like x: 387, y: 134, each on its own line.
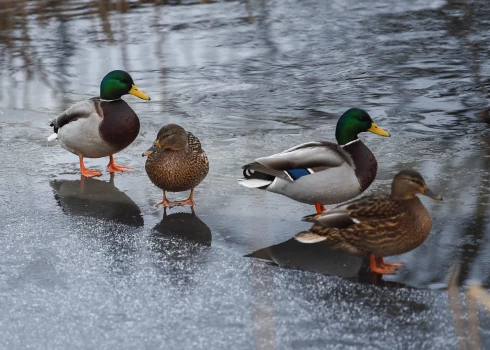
x: 377, y: 207
x: 82, y: 109
x: 306, y: 156
x: 337, y: 218
x: 373, y: 207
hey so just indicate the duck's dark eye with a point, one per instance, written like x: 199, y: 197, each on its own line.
x: 418, y: 182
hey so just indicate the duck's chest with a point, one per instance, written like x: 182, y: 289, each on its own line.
x: 176, y: 170
x: 366, y: 166
x: 120, y: 124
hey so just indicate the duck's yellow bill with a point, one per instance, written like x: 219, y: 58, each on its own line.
x: 138, y: 93
x: 379, y: 131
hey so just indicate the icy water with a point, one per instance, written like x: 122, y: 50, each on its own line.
x: 91, y: 263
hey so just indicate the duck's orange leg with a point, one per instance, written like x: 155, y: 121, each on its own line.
x: 85, y: 171
x: 166, y: 203
x: 114, y: 168
x: 319, y: 207
x: 377, y: 265
x: 170, y: 204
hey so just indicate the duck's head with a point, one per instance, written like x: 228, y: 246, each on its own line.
x: 171, y: 137
x: 118, y: 83
x: 353, y: 122
x: 408, y: 183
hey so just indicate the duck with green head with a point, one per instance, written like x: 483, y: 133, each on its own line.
x: 321, y: 172
x: 100, y: 126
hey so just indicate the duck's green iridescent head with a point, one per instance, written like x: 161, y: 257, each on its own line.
x: 352, y: 123
x: 118, y: 83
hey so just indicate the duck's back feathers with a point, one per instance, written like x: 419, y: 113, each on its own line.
x: 307, y: 155
x: 82, y: 109
x: 373, y: 207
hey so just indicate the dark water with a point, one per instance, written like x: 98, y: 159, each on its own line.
x: 93, y: 264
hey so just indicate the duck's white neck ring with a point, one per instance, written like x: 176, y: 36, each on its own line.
x: 350, y: 143
x: 117, y: 99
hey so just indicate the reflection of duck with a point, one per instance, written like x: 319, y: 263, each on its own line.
x: 312, y: 257
x: 97, y: 199
x: 184, y: 225
x: 320, y: 258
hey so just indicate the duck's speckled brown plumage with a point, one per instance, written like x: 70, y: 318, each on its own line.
x: 379, y: 225
x: 387, y: 227
x: 180, y: 170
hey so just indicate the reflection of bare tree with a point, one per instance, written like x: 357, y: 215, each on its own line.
x: 104, y: 8
x: 467, y: 328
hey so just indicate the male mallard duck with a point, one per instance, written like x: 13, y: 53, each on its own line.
x: 100, y: 126
x: 377, y: 225
x: 176, y: 162
x: 320, y: 172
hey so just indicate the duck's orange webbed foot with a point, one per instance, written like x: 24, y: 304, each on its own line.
x: 114, y: 168
x: 377, y: 265
x: 170, y: 204
x: 85, y: 172
x: 319, y: 208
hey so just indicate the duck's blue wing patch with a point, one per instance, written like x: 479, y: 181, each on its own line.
x: 295, y: 174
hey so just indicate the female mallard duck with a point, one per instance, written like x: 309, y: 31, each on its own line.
x: 100, y: 126
x: 321, y: 172
x: 176, y: 162
x: 377, y: 225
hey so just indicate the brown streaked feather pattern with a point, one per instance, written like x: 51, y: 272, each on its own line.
x: 120, y: 124
x: 181, y: 170
x: 380, y: 225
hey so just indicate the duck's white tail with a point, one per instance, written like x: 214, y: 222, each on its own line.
x: 254, y: 183
x: 52, y: 137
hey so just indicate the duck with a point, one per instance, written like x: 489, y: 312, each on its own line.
x: 377, y: 225
x: 100, y: 126
x: 176, y: 162
x: 322, y: 172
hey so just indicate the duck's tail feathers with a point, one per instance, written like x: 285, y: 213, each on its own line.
x: 310, y: 218
x: 308, y: 237
x: 52, y: 137
x: 256, y: 176
x: 255, y: 183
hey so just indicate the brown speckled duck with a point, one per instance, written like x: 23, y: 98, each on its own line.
x: 176, y: 162
x: 378, y: 225
x: 100, y: 126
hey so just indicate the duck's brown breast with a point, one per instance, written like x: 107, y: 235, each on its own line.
x: 120, y: 124
x: 365, y: 163
x: 403, y: 235
x: 177, y: 171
